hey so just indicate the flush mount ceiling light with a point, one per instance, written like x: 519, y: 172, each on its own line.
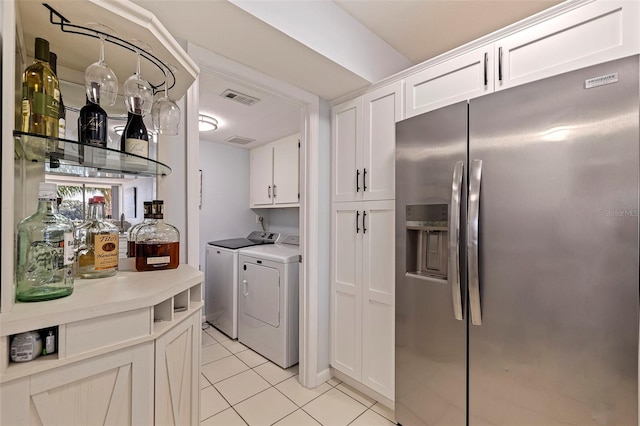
x: 207, y: 123
x: 118, y: 130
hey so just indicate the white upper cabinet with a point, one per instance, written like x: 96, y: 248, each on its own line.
x: 274, y: 173
x: 463, y: 77
x: 597, y: 32
x: 382, y: 108
x: 363, y: 145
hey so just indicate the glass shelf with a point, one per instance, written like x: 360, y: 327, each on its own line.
x: 64, y: 156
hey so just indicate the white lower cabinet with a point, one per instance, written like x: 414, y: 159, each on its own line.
x: 112, y: 389
x: 362, y: 293
x: 177, y: 360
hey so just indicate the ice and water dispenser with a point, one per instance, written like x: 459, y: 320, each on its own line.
x: 427, y: 240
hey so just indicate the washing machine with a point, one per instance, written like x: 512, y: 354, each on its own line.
x: 221, y: 279
x: 268, y: 300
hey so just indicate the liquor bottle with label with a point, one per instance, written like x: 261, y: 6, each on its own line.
x: 92, y: 122
x: 62, y: 112
x: 98, y: 242
x: 131, y: 236
x: 40, y: 97
x: 45, y: 251
x: 157, y: 244
x: 135, y: 139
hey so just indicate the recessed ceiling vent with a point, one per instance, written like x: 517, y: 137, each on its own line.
x: 239, y: 97
x: 239, y: 140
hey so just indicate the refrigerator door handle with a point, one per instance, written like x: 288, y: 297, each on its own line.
x: 454, y: 240
x: 475, y: 177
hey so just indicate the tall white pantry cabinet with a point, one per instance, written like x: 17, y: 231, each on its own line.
x: 362, y: 239
x: 569, y: 36
x: 129, y: 345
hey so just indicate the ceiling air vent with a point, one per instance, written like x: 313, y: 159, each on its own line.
x: 239, y: 97
x: 239, y: 140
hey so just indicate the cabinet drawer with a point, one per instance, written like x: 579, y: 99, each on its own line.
x: 102, y: 332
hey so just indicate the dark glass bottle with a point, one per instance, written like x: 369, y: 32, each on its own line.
x: 157, y: 244
x: 62, y: 111
x: 92, y: 122
x: 135, y: 139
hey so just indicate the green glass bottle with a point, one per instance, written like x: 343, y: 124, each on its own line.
x: 45, y: 252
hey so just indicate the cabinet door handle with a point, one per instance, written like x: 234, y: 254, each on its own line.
x: 357, y: 180
x: 364, y: 180
x: 364, y: 216
x: 486, y: 65
x: 357, y: 220
x: 274, y: 190
x: 500, y: 64
x: 269, y: 192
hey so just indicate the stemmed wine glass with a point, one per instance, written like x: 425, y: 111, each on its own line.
x: 138, y: 94
x: 104, y: 77
x: 165, y: 113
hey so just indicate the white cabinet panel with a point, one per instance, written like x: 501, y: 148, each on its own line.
x: 382, y: 109
x: 464, y: 77
x: 286, y: 166
x: 177, y: 381
x: 346, y: 150
x: 112, y: 389
x: 362, y: 293
x: 274, y: 173
x: 595, y: 33
x: 261, y: 169
x: 378, y: 269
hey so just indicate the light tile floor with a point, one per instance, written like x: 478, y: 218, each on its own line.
x: 240, y: 387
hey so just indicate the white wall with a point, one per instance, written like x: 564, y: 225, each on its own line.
x: 225, y: 211
x: 324, y: 230
x: 285, y: 221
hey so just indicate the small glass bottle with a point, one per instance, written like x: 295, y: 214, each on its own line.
x: 45, y: 251
x: 131, y: 236
x: 157, y: 244
x: 98, y: 242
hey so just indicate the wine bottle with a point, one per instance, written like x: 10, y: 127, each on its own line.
x: 40, y: 94
x: 135, y: 139
x: 92, y: 122
x: 62, y: 112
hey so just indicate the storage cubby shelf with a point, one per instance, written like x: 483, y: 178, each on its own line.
x: 71, y: 157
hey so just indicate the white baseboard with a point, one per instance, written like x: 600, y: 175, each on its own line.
x: 323, y: 376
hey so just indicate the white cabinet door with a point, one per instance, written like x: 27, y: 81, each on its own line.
x: 346, y: 288
x: 346, y: 164
x: 597, y: 32
x: 286, y: 166
x: 111, y: 389
x: 464, y: 77
x: 382, y: 108
x: 378, y: 301
x: 261, y: 175
x: 177, y: 374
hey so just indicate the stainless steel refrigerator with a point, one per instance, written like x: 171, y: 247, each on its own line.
x: 517, y: 255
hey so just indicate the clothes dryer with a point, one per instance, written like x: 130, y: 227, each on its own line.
x: 268, y: 300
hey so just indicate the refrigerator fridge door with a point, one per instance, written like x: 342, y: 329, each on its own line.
x: 431, y: 204
x: 558, y: 251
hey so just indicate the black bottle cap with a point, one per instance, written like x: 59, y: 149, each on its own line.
x: 42, y: 49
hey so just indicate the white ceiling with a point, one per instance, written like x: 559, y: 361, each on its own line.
x: 329, y: 48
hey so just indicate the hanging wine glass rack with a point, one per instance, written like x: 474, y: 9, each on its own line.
x: 66, y: 26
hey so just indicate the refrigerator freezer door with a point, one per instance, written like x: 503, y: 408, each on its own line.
x: 430, y: 342
x: 558, y: 244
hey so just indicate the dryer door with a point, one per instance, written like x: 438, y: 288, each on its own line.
x: 260, y: 291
